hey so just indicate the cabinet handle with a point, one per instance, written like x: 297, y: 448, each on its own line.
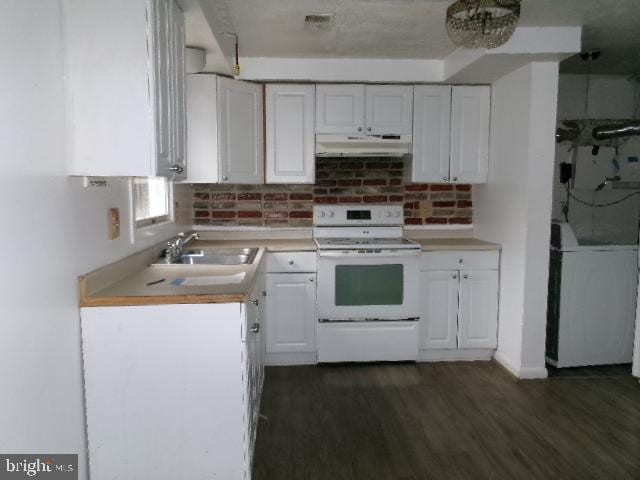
x: 224, y: 177
x: 465, y: 276
x: 264, y: 293
x: 255, y: 302
x: 368, y: 129
x: 176, y: 169
x: 445, y: 178
x: 455, y: 179
x: 255, y: 328
x: 454, y: 276
x: 359, y: 129
x: 311, y: 279
x: 290, y: 262
x: 459, y: 260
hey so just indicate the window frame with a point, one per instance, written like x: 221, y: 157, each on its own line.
x: 152, y: 221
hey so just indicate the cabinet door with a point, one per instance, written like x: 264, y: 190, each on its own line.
x: 177, y: 92
x: 291, y: 312
x: 290, y: 142
x: 438, y: 309
x: 339, y: 108
x: 470, y: 112
x: 478, y: 312
x: 161, y: 12
x: 431, y: 133
x: 202, y: 128
x: 240, y: 124
x: 388, y: 109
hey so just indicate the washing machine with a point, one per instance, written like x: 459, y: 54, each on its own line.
x: 591, y: 306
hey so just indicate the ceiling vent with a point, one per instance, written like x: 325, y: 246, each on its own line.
x: 319, y: 21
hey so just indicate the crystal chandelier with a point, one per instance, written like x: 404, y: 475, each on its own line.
x: 482, y: 23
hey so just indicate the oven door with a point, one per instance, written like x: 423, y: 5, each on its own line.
x: 363, y: 287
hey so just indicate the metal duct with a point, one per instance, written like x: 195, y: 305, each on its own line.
x: 613, y: 131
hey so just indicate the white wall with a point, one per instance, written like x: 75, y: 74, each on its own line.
x: 53, y: 230
x: 514, y: 209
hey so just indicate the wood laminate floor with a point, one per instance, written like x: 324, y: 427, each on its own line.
x: 444, y: 421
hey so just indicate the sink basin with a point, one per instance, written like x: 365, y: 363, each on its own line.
x: 220, y: 256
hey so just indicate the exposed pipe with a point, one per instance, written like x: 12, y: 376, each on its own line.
x: 612, y: 131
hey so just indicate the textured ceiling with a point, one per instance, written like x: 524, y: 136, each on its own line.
x: 415, y: 28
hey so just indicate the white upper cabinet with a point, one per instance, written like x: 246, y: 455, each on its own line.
x: 450, y: 134
x: 225, y: 130
x: 125, y: 87
x: 431, y: 129
x: 470, y: 134
x: 388, y: 109
x: 290, y: 135
x: 372, y: 109
x: 240, y: 130
x: 339, y: 108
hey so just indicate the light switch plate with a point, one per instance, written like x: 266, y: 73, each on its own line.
x: 114, y: 223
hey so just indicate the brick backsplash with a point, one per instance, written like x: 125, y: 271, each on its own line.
x: 338, y: 180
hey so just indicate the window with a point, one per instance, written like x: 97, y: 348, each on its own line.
x: 151, y: 199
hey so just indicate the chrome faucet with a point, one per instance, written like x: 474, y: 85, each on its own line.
x: 175, y: 248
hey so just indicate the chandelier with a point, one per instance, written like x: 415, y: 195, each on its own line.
x: 482, y: 23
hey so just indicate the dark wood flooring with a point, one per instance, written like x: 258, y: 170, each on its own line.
x: 444, y: 421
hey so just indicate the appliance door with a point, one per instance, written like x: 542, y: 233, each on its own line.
x: 364, y: 287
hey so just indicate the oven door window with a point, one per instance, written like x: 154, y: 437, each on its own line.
x: 361, y: 285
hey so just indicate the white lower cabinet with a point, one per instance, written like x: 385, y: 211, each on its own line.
x: 291, y: 315
x: 173, y: 391
x: 459, y: 308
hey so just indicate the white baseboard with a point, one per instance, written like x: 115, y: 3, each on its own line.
x: 283, y: 359
x: 522, y: 373
x: 470, y: 355
x: 530, y: 373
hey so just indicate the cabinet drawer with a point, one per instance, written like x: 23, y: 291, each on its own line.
x: 459, y: 260
x: 291, y: 262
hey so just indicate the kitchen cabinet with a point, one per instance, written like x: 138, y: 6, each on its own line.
x: 470, y: 111
x: 291, y: 316
x: 126, y: 91
x: 450, y: 134
x: 290, y: 133
x: 459, y: 305
x: 225, y: 130
x: 184, y: 379
x: 370, y: 109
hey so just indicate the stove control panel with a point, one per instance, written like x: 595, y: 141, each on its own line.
x: 357, y: 214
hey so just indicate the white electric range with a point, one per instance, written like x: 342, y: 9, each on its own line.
x: 368, y: 288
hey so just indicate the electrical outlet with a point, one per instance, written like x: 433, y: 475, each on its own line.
x: 114, y: 223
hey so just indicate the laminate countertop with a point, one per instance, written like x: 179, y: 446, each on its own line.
x: 135, y: 281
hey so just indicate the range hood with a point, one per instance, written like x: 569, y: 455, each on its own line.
x: 357, y: 145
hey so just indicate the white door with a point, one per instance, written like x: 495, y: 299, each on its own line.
x: 290, y: 142
x: 431, y: 133
x: 291, y: 321
x: 177, y: 89
x: 478, y: 310
x: 340, y: 109
x: 162, y: 82
x: 470, y: 110
x: 240, y: 130
x: 202, y: 126
x: 438, y: 309
x: 388, y: 109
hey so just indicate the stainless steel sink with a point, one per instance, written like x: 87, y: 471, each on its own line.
x: 219, y: 256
